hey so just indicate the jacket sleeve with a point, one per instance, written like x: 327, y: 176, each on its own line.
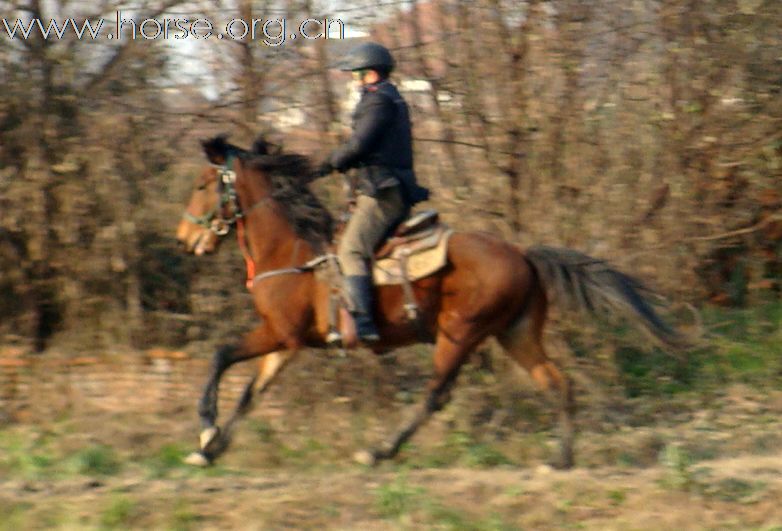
x: 377, y: 112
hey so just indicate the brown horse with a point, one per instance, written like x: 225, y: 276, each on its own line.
x: 490, y: 288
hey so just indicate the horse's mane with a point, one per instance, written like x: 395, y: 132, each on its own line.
x: 289, y: 173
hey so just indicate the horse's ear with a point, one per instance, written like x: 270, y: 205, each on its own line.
x: 215, y: 148
x: 260, y: 146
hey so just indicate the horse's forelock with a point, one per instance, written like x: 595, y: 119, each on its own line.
x: 261, y: 146
x: 215, y: 148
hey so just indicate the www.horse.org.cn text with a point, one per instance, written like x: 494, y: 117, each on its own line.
x: 268, y: 31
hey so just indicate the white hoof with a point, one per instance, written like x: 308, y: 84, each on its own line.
x: 334, y: 339
x: 365, y: 457
x: 207, y: 436
x: 197, y: 459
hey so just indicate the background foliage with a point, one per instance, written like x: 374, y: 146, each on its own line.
x: 645, y: 132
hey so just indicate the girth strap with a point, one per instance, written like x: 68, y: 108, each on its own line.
x: 309, y: 266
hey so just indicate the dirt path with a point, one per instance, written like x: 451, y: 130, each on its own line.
x: 734, y: 493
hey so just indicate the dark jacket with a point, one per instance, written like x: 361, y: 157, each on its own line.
x: 381, y: 146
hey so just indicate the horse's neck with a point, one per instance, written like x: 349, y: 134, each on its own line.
x: 271, y: 239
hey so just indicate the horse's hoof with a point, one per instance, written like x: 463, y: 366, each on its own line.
x: 208, y: 436
x: 334, y: 339
x: 197, y: 459
x: 365, y: 457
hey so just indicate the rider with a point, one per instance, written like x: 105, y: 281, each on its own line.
x: 382, y: 151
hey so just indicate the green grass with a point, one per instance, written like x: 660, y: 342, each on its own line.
x: 29, y: 457
x: 13, y: 515
x: 264, y: 431
x: 183, y: 517
x: 308, y: 453
x: 414, y: 506
x: 35, y: 454
x: 459, y: 449
x: 398, y: 497
x: 118, y: 514
x: 678, y: 468
x: 281, y: 450
x: 734, y: 490
x: 682, y: 475
x: 168, y: 458
x: 441, y: 517
x: 97, y: 460
x: 617, y: 496
x: 482, y: 455
x: 741, y: 345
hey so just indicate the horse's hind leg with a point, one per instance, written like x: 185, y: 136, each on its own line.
x: 449, y: 356
x: 523, y: 342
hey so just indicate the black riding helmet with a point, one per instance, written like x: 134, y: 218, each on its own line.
x: 369, y: 55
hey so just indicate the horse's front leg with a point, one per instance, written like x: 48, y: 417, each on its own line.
x: 260, y: 341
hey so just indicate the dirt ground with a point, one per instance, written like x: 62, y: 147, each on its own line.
x: 452, y: 498
x: 718, y: 467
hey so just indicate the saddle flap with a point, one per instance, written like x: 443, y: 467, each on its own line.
x: 414, y: 259
x: 390, y: 245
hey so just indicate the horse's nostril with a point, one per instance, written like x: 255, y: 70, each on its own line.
x: 182, y: 245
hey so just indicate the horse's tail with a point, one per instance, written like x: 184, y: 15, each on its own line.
x: 590, y: 284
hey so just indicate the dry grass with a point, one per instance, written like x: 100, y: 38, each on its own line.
x: 701, y: 468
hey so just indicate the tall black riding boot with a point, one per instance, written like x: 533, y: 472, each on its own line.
x: 359, y: 289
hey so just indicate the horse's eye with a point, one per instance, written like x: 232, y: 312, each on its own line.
x: 201, y: 186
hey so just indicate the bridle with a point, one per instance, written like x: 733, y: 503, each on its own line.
x: 220, y: 226
x: 226, y: 193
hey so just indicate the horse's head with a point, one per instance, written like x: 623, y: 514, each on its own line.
x: 238, y: 181
x: 212, y: 207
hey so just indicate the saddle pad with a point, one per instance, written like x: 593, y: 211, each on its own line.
x: 422, y: 257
